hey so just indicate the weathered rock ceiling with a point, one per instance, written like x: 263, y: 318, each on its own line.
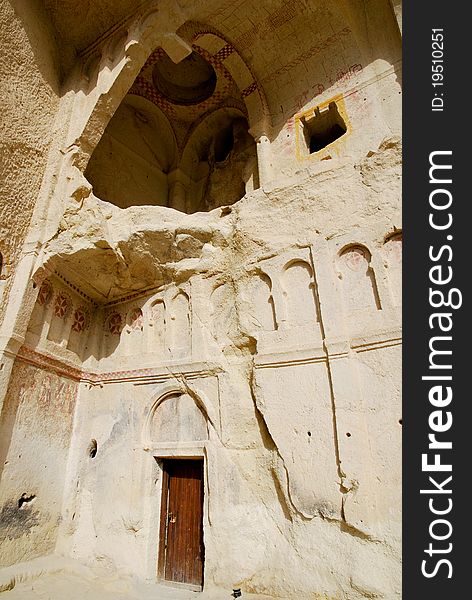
x: 80, y: 24
x: 247, y: 23
x: 251, y: 26
x: 295, y: 49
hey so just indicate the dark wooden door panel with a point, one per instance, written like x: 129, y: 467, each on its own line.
x: 183, y: 545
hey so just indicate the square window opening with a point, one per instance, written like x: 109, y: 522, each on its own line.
x: 323, y: 128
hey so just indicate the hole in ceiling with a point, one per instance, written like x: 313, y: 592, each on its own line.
x: 191, y: 81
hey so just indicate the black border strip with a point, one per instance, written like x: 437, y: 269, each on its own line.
x: 426, y: 131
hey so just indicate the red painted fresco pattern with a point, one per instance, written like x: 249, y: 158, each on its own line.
x: 42, y: 395
x: 45, y: 293
x: 79, y: 320
x: 115, y: 323
x: 62, y: 305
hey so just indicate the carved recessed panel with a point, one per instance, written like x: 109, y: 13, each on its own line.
x: 297, y: 283
x: 45, y: 293
x: 259, y: 291
x: 178, y: 419
x: 135, y: 319
x: 358, y: 279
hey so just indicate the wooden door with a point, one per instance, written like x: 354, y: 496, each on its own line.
x: 181, y: 538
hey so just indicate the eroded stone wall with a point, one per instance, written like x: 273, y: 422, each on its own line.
x: 30, y: 75
x: 37, y: 420
x: 289, y: 335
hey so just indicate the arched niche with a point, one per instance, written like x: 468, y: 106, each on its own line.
x: 113, y: 325
x: 157, y: 324
x: 132, y: 340
x: 297, y: 285
x: 220, y: 160
x: 180, y: 333
x: 134, y: 319
x: 176, y: 418
x: 42, y: 309
x: 131, y: 162
x: 358, y: 279
x: 222, y: 311
x: 80, y: 322
x: 59, y: 327
x: 259, y: 291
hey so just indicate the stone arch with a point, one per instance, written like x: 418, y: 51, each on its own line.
x: 108, y: 74
x: 180, y: 330
x: 202, y: 35
x: 178, y: 419
x: 199, y: 135
x: 174, y: 391
x: 130, y: 164
x: 106, y: 80
x: 219, y: 154
x: 263, y: 308
x: 358, y: 278
x: 297, y: 285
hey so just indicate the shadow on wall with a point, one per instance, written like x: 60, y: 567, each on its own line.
x: 41, y: 36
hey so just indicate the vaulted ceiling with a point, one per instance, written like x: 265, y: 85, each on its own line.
x: 294, y: 49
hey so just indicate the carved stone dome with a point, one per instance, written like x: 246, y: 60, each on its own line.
x: 191, y: 81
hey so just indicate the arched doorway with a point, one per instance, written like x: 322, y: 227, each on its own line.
x: 177, y: 431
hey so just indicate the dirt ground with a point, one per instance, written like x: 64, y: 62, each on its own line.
x: 65, y: 585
